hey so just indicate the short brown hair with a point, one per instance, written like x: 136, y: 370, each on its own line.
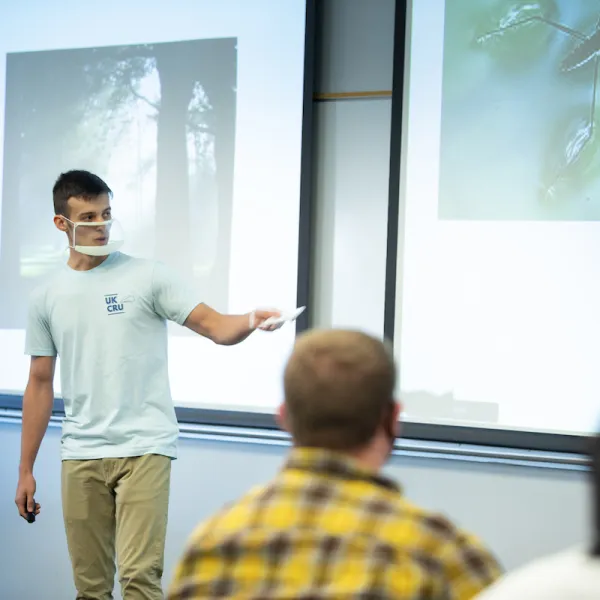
x: 339, y: 386
x: 77, y: 184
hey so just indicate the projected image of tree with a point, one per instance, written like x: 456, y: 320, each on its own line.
x: 156, y: 121
x: 520, y: 103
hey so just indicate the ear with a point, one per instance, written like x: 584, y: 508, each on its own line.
x: 59, y: 223
x: 396, y: 415
x: 281, y: 418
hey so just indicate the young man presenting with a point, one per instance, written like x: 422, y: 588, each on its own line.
x: 105, y: 314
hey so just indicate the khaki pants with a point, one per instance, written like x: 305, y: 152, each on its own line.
x: 116, y: 504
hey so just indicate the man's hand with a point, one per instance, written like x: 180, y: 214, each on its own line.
x: 227, y: 330
x: 25, y: 493
x: 258, y: 318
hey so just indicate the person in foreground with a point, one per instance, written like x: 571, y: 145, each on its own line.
x: 573, y: 574
x: 104, y: 313
x: 330, y: 525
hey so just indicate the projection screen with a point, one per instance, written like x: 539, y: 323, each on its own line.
x: 197, y: 114
x: 494, y: 294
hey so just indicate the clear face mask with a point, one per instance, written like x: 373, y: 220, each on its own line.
x: 96, y: 238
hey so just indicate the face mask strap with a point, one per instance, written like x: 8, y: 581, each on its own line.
x: 71, y: 244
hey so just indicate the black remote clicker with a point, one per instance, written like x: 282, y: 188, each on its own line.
x: 30, y: 516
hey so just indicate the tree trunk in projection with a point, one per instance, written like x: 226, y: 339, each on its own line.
x: 172, y: 170
x: 219, y: 82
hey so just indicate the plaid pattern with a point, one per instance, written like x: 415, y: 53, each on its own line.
x: 327, y: 529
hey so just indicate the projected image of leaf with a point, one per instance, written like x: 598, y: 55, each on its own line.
x: 517, y: 31
x: 571, y: 161
x: 519, y: 140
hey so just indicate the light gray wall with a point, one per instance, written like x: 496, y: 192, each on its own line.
x: 355, y: 46
x: 522, y: 512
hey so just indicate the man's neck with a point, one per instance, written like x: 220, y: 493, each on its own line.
x: 374, y: 455
x: 369, y: 459
x: 83, y: 262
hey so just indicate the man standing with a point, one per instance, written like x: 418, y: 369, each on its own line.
x: 105, y: 315
x: 331, y: 525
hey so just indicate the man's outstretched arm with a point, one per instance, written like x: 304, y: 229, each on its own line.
x: 226, y: 330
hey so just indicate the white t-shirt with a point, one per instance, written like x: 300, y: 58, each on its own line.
x: 108, y: 326
x: 570, y: 575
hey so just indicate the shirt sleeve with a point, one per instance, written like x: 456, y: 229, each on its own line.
x: 38, y: 335
x: 173, y: 299
x: 469, y: 566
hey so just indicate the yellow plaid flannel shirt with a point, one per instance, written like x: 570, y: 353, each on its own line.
x: 327, y: 529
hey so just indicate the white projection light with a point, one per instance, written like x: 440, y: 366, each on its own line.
x: 497, y: 281
x: 173, y: 118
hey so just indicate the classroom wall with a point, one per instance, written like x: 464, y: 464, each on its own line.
x: 521, y: 511
x: 351, y: 169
